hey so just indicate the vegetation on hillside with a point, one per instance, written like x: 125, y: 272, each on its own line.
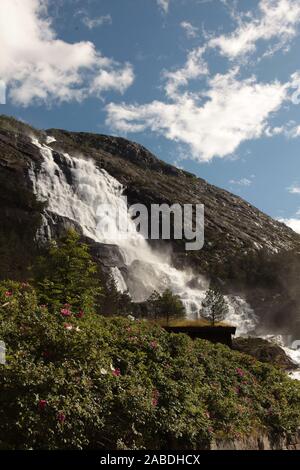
x: 79, y: 380
x: 74, y: 379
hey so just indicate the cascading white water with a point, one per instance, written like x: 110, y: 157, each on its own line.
x: 284, y: 342
x: 294, y: 354
x: 241, y: 314
x: 75, y: 188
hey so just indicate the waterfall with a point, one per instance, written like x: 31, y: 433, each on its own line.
x: 285, y: 342
x: 241, y: 314
x: 75, y: 187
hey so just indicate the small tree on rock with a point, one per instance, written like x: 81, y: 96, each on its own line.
x: 214, y: 306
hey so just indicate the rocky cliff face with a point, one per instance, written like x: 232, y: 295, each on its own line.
x: 231, y: 224
x: 234, y: 229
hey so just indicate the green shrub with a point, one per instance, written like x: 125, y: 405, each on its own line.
x: 66, y: 274
x: 86, y: 381
x: 165, y: 305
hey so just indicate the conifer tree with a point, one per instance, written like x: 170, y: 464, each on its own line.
x: 214, y: 306
x: 66, y: 274
x: 166, y: 304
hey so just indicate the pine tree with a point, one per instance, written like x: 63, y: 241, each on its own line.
x: 66, y: 274
x: 214, y: 306
x: 166, y: 304
x: 113, y: 301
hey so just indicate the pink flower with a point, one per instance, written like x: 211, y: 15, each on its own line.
x: 42, y: 404
x: 155, y: 397
x: 116, y: 372
x: 153, y: 344
x: 80, y: 314
x: 61, y: 417
x: 8, y: 293
x: 24, y: 285
x: 66, y: 312
x: 240, y: 372
x: 68, y: 326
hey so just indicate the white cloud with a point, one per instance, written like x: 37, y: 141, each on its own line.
x: 277, y: 130
x: 164, y: 5
x: 294, y: 132
x: 293, y: 223
x: 118, y: 80
x: 213, y: 123
x: 2, y: 92
x: 228, y: 109
x: 241, y: 182
x: 195, y: 67
x: 294, y: 189
x: 92, y: 23
x: 277, y: 19
x: 37, y: 66
x: 290, y: 130
x: 190, y: 30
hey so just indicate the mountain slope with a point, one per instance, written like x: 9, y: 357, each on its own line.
x: 150, y: 180
x: 238, y: 236
x: 231, y: 224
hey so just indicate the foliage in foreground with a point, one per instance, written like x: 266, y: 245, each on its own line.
x: 79, y: 380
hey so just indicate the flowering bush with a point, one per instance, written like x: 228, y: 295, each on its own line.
x: 115, y: 383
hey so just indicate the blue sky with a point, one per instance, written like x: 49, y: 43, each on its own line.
x: 212, y: 86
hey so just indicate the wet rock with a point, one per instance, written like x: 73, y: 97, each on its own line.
x: 264, y: 351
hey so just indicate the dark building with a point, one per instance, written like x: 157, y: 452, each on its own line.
x: 215, y: 334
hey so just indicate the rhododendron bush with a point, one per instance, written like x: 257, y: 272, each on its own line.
x: 75, y: 379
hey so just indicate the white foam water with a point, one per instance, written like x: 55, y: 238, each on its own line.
x: 294, y: 354
x: 119, y: 279
x: 75, y: 188
x: 241, y: 314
